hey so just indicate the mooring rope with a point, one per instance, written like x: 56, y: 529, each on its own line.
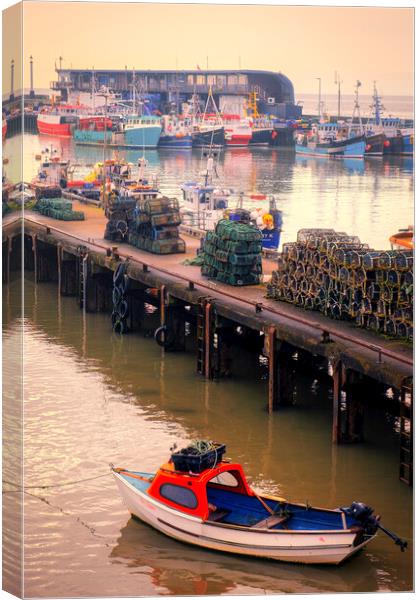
x: 54, y: 485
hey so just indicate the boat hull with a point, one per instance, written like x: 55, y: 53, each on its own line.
x: 214, y: 137
x: 184, y: 142
x: 402, y: 145
x: 312, y: 547
x: 85, y: 136
x: 261, y: 137
x: 351, y: 148
x: 46, y: 127
x: 375, y: 144
x: 142, y: 137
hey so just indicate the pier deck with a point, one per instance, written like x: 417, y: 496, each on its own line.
x: 387, y: 361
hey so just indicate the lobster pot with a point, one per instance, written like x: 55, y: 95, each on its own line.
x: 44, y: 191
x: 232, y: 254
x: 338, y: 275
x: 150, y: 225
x: 58, y: 208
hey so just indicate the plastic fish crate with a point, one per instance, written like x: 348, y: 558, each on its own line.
x: 197, y: 463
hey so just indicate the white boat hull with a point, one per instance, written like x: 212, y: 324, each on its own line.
x: 310, y: 547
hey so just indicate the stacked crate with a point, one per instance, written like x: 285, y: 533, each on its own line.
x: 58, y: 208
x: 339, y: 276
x: 232, y: 253
x: 154, y: 226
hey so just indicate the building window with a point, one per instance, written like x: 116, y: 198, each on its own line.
x: 190, y: 79
x: 201, y: 80
x: 179, y: 495
x: 233, y: 79
x: 211, y: 79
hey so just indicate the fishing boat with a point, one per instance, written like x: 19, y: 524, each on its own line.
x: 206, y: 127
x: 396, y: 139
x: 203, y: 500
x: 175, y: 134
x: 59, y: 119
x: 138, y: 131
x: 52, y: 174
x: 238, y: 131
x: 330, y: 140
x: 91, y: 129
x: 205, y: 204
x: 404, y: 238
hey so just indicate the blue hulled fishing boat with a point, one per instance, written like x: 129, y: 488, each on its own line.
x: 330, y: 140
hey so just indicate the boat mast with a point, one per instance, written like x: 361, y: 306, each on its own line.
x: 338, y: 82
x: 133, y: 95
x: 93, y: 90
x: 356, y: 110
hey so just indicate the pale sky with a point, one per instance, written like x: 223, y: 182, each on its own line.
x: 302, y: 42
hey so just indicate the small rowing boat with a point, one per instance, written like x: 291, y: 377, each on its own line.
x: 206, y: 501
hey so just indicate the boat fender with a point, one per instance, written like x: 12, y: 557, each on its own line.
x: 163, y: 338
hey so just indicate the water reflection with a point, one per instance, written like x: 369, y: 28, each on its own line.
x: 179, y: 569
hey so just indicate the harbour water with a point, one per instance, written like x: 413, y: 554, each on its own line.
x: 92, y: 397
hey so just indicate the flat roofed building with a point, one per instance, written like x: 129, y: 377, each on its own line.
x: 274, y: 91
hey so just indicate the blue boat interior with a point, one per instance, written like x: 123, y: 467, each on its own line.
x: 248, y: 511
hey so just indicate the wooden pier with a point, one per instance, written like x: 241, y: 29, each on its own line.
x: 76, y: 256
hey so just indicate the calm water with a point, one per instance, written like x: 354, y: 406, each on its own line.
x: 92, y: 398
x: 371, y: 198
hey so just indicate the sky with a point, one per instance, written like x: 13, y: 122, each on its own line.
x: 303, y: 42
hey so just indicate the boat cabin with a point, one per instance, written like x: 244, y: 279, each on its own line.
x: 204, y: 197
x: 202, y: 494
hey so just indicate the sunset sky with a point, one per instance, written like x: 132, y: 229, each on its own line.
x: 302, y: 42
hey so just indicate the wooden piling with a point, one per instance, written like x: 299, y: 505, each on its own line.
x: 35, y: 254
x: 273, y: 379
x: 406, y: 433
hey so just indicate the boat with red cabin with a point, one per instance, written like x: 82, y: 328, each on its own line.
x: 206, y: 501
x: 59, y: 119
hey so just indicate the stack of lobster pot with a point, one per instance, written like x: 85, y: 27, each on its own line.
x: 232, y: 253
x: 154, y: 226
x: 58, y: 208
x: 339, y: 276
x: 119, y: 212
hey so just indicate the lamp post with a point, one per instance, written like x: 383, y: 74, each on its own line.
x: 12, y: 76
x: 319, y: 97
x: 31, y: 66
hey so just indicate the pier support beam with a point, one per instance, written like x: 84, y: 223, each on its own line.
x: 348, y: 405
x: 406, y: 433
x: 205, y: 338
x: 280, y: 371
x: 68, y: 275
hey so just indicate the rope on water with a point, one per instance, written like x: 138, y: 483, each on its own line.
x: 54, y: 485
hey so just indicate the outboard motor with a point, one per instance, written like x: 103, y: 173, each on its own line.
x: 364, y: 515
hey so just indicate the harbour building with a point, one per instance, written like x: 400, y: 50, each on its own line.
x: 272, y: 92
